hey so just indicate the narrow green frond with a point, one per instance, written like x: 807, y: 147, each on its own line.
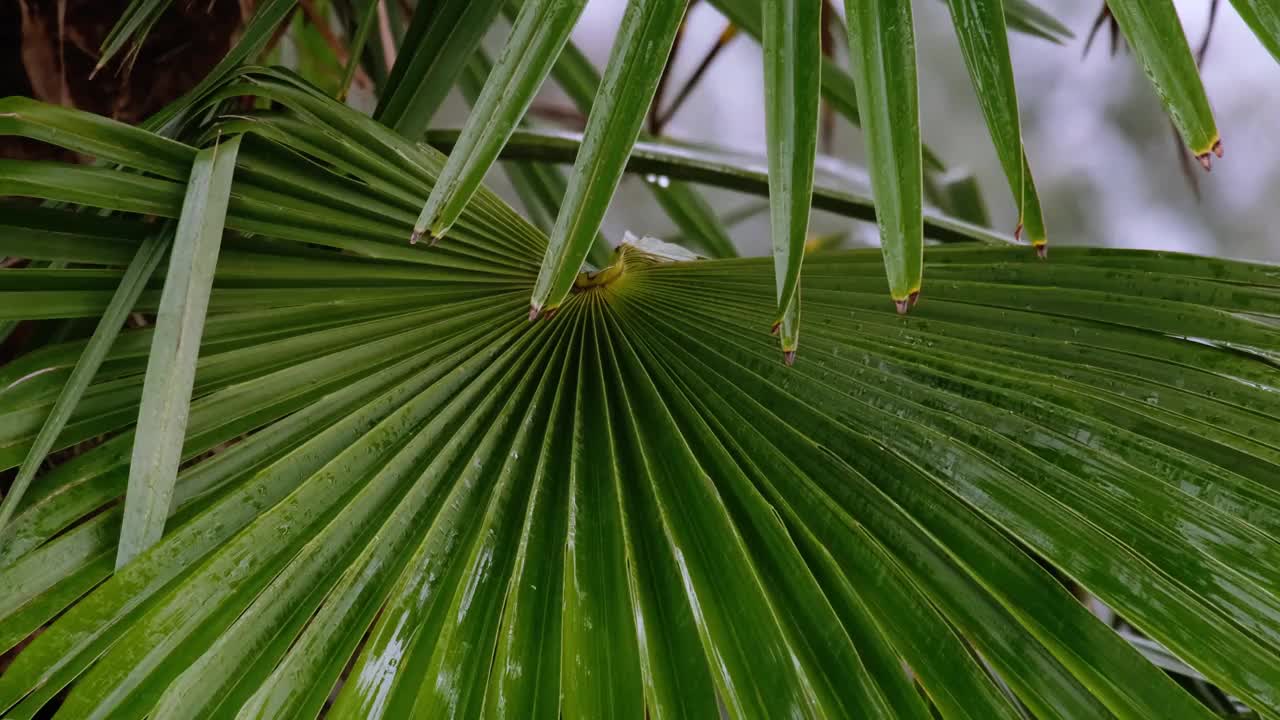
x: 640, y: 51
x: 980, y: 27
x: 171, y: 366
x: 257, y: 34
x: 1263, y: 17
x: 884, y: 67
x: 107, y: 140
x: 109, y: 325
x: 540, y: 186
x: 686, y: 207
x: 355, y: 49
x: 437, y: 46
x: 540, y: 31
x: 1155, y: 33
x: 792, y: 56
x: 131, y: 28
x: 1028, y: 17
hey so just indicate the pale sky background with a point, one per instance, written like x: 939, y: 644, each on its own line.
x: 1101, y: 149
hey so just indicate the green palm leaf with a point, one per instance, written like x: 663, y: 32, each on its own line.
x: 436, y: 49
x: 980, y: 26
x: 792, y: 55
x: 639, y: 53
x: 1264, y: 19
x: 540, y: 31
x: 421, y: 504
x: 1155, y: 34
x: 682, y: 203
x: 884, y: 67
x: 171, y: 364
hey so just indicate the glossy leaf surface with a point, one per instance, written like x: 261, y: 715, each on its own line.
x: 540, y: 31
x: 980, y: 26
x: 792, y: 69
x: 631, y: 507
x: 171, y: 363
x: 640, y: 51
x: 883, y: 58
x: 1154, y: 31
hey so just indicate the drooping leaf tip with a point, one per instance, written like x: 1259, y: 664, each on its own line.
x: 1206, y: 158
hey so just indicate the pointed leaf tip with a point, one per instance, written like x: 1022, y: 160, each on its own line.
x: 1206, y: 161
x: 640, y: 51
x: 538, y: 34
x: 791, y: 39
x: 883, y: 59
x: 982, y: 30
x: 1155, y: 35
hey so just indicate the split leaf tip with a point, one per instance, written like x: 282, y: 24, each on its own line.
x: 1206, y: 159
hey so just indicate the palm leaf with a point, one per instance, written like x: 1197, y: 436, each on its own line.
x: 792, y: 51
x: 355, y: 50
x: 683, y: 204
x: 884, y: 61
x: 639, y: 53
x: 539, y: 186
x: 112, y: 320
x: 437, y: 46
x: 1264, y: 19
x: 980, y: 26
x: 538, y: 34
x: 1155, y: 34
x: 633, y: 507
x: 171, y: 363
